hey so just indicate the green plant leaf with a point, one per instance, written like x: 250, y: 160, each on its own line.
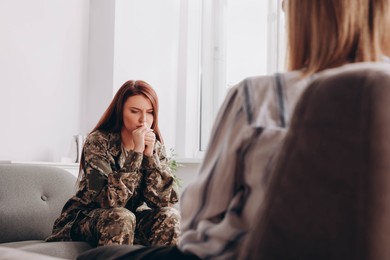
x: 174, y: 165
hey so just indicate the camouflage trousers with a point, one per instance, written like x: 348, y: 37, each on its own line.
x: 121, y: 226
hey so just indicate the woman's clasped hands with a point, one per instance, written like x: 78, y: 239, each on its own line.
x: 144, y: 139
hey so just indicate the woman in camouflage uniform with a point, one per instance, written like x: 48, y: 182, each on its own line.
x: 123, y: 166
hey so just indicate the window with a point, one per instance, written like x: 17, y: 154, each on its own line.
x: 239, y: 39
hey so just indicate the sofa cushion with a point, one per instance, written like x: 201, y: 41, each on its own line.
x: 67, y: 250
x: 7, y: 253
x: 31, y: 198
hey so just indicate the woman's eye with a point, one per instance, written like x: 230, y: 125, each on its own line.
x: 150, y: 112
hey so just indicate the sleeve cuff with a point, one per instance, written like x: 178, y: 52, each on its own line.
x: 151, y: 162
x: 133, y: 160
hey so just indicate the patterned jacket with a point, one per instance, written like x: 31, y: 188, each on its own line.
x: 113, y: 177
x: 221, y: 209
x: 218, y: 211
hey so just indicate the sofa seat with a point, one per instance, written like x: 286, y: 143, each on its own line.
x: 8, y: 253
x: 65, y: 250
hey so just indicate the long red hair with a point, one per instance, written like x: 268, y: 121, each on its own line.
x: 112, y: 118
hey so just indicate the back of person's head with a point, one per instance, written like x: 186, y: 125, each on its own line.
x: 328, y: 33
x: 112, y: 119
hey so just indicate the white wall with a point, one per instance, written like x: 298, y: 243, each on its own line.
x: 132, y: 39
x: 187, y: 173
x: 63, y: 60
x: 146, y: 47
x: 99, y: 91
x: 43, y: 64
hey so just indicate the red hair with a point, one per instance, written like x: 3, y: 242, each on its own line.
x: 112, y: 118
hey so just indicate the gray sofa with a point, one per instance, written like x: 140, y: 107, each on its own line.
x: 31, y: 198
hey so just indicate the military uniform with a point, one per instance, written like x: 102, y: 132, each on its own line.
x: 114, y: 184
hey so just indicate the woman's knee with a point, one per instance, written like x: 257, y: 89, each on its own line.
x: 170, y: 214
x: 118, y: 216
x: 167, y: 227
x: 116, y: 226
x: 116, y: 221
x: 170, y: 220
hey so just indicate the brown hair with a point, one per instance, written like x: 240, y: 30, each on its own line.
x: 329, y: 33
x: 324, y: 34
x: 112, y: 118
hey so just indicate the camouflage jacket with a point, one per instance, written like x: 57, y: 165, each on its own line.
x: 113, y: 177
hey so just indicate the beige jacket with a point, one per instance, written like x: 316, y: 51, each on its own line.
x: 219, y: 208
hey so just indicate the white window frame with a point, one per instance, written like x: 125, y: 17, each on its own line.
x: 189, y: 81
x: 202, y: 80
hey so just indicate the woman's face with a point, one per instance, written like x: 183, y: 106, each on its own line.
x: 137, y: 112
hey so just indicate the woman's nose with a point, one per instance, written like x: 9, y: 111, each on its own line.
x: 142, y: 118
